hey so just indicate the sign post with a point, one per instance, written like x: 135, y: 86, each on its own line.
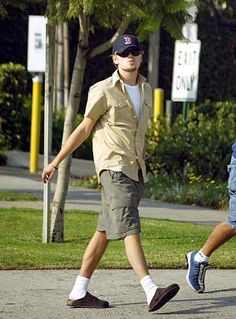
x: 48, y: 101
x: 38, y: 43
x: 36, y: 65
x: 186, y: 63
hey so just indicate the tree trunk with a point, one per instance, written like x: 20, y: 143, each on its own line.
x: 60, y: 68
x: 66, y: 61
x: 55, y: 69
x: 57, y: 215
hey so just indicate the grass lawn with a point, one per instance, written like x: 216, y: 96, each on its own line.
x: 14, y: 196
x: 165, y: 242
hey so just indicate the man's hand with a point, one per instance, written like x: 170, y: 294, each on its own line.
x: 48, y: 173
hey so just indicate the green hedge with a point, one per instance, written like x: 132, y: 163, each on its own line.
x: 14, y: 107
x: 199, y: 147
x: 15, y: 115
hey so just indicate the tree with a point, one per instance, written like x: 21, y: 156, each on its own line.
x: 109, y: 14
x: 16, y: 3
x: 59, y: 83
x: 5, y: 3
x: 61, y: 76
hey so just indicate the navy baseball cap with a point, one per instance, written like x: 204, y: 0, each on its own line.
x: 126, y: 41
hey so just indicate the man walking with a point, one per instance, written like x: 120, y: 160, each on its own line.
x: 117, y: 113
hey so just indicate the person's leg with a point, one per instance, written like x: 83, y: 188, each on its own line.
x: 79, y: 296
x: 120, y: 218
x: 135, y: 255
x: 225, y: 230
x: 220, y: 235
x: 93, y: 253
x: 156, y: 297
x: 94, y: 250
x: 198, y: 260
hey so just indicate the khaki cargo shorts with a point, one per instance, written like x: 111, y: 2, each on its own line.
x: 120, y: 199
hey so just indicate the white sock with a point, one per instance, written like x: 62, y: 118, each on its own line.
x: 80, y: 288
x: 149, y: 287
x: 200, y: 257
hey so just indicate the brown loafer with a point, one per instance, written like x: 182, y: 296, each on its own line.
x: 88, y: 301
x: 162, y: 296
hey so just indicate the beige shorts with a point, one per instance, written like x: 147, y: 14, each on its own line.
x: 120, y: 199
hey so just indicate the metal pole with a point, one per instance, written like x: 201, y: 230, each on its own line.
x: 35, y: 122
x: 185, y: 110
x: 158, y: 103
x: 47, y: 132
x: 169, y: 112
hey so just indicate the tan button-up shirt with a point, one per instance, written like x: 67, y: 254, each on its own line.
x: 118, y: 136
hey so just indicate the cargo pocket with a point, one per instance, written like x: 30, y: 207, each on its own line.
x: 123, y: 193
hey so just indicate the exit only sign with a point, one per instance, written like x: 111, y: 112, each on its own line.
x: 185, y: 71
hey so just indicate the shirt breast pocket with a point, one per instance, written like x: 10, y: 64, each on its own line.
x: 119, y: 111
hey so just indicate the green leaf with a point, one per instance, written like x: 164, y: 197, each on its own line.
x: 173, y: 24
x: 177, y: 6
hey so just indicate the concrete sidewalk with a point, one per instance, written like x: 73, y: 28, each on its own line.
x: 42, y: 295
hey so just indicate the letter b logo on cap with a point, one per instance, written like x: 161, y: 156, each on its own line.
x: 127, y: 40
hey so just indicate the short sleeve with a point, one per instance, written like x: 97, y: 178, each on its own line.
x: 148, y: 97
x: 96, y: 105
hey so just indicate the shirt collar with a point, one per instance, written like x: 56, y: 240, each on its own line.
x: 116, y: 78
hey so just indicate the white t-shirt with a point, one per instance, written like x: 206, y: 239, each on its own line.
x: 134, y: 94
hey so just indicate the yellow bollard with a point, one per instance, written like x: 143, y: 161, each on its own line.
x: 35, y: 122
x: 158, y: 104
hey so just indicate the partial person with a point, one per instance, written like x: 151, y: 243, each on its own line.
x: 117, y: 114
x: 198, y: 260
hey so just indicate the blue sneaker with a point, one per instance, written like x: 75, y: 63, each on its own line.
x: 196, y: 273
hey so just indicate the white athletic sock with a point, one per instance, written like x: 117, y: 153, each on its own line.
x: 80, y: 288
x: 200, y: 257
x: 149, y: 287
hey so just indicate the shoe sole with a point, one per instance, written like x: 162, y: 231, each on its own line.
x: 165, y: 298
x: 201, y: 290
x: 71, y: 305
